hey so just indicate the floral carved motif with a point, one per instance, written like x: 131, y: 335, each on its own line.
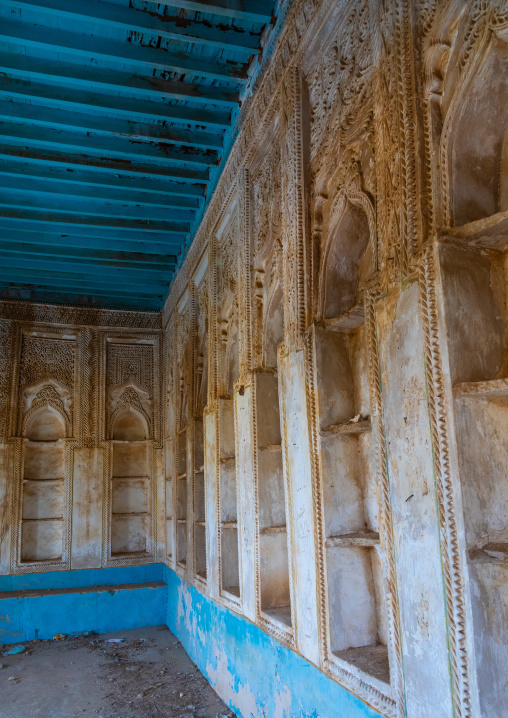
x: 44, y: 358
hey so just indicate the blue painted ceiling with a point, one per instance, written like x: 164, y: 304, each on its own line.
x: 115, y: 121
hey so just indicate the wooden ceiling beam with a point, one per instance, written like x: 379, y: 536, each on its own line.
x: 145, y: 22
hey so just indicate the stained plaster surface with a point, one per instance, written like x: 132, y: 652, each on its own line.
x: 255, y: 675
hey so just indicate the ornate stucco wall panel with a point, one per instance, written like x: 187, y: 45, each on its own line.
x: 66, y: 401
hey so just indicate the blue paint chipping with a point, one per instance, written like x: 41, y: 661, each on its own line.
x: 253, y: 673
x: 116, y: 120
x: 248, y: 668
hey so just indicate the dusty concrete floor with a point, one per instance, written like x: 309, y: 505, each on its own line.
x: 149, y: 675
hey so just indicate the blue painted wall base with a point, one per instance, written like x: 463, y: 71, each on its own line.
x: 254, y: 674
x: 102, y: 600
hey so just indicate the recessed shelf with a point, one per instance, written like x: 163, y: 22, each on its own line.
x: 271, y: 447
x: 347, y: 428
x: 280, y: 615
x: 233, y: 591
x: 273, y: 530
x: 129, y: 443
x: 490, y: 553
x: 229, y: 524
x: 131, y: 478
x: 481, y: 389
x: 199, y: 469
x: 372, y: 660
x: 227, y: 460
x: 198, y: 523
x: 182, y: 476
x: 130, y: 513
x: 38, y: 481
x: 347, y: 322
x: 356, y: 538
x: 182, y: 563
x: 489, y: 233
x: 181, y: 521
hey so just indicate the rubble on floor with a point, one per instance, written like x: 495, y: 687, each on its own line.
x: 148, y: 674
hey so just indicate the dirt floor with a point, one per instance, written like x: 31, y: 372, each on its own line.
x: 147, y: 675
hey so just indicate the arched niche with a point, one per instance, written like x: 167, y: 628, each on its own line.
x: 356, y: 610
x: 131, y: 479
x: 273, y: 326
x: 130, y: 426
x: 43, y: 488
x: 348, y: 257
x: 44, y: 424
x: 477, y: 150
x: 232, y: 362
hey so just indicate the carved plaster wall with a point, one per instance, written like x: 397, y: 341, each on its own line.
x: 74, y: 385
x: 367, y: 180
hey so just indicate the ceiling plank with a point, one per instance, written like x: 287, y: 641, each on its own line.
x: 106, y: 233
x: 83, y: 176
x: 127, y: 225
x: 108, y: 104
x: 252, y: 10
x: 99, y: 267
x: 146, y: 21
x: 139, y: 259
x: 68, y: 298
x: 113, y: 147
x: 147, y: 86
x: 49, y: 157
x: 47, y: 239
x: 122, y: 52
x: 12, y: 182
x: 20, y: 199
x: 160, y: 131
x: 80, y: 281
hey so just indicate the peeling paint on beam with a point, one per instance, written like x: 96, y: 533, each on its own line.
x: 147, y: 86
x: 116, y: 148
x: 107, y: 104
x: 110, y: 127
x: 104, y: 165
x: 144, y: 21
x: 77, y: 176
x: 47, y: 37
x: 253, y: 10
